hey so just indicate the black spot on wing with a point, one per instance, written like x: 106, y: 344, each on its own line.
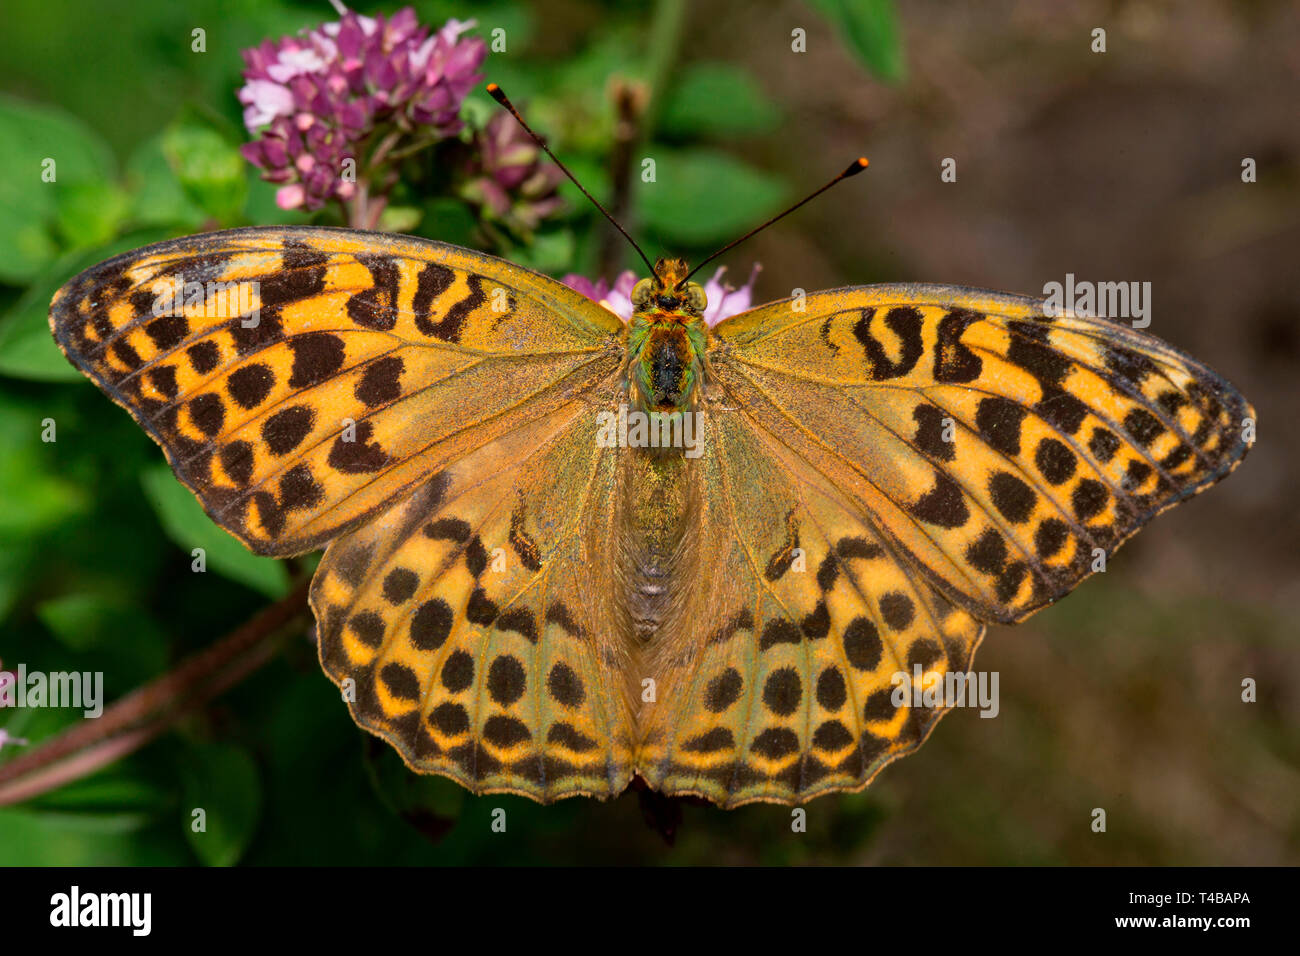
x: 929, y: 437
x: 905, y: 323
x: 250, y: 385
x: 376, y: 307
x: 285, y: 430
x: 954, y: 362
x: 943, y: 505
x: 381, y: 382
x: 317, y: 357
x: 999, y: 421
x: 361, y: 456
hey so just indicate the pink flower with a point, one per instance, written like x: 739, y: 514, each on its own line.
x: 316, y: 100
x: 616, y: 298
x: 509, y: 178
x: 724, y: 300
x: 7, y: 738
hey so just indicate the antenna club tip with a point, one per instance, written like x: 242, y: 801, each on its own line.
x: 857, y: 166
x: 496, y: 93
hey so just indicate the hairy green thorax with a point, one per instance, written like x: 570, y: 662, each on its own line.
x: 666, y: 341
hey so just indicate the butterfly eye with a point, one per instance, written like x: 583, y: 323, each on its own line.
x: 696, y: 300
x: 641, y: 292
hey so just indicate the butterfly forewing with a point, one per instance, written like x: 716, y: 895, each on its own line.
x: 301, y: 379
x: 428, y: 409
x: 1002, y: 450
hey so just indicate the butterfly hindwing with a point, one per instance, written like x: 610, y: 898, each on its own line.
x: 776, y: 682
x: 470, y: 624
x: 300, y: 379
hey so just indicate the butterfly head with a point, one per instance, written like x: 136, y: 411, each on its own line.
x: 666, y: 292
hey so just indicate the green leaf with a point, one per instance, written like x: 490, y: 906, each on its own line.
x: 90, y: 213
x: 78, y: 619
x: 703, y: 196
x: 400, y: 219
x: 208, y: 167
x: 551, y: 253
x: 186, y: 524
x: 261, y: 208
x: 158, y: 198
x: 430, y: 803
x: 718, y: 100
x: 870, y: 30
x: 35, y: 496
x: 36, y: 143
x: 109, y: 791
x: 88, y: 619
x: 27, y: 349
x: 221, y: 780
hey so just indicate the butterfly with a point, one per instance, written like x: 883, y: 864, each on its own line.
x: 517, y: 602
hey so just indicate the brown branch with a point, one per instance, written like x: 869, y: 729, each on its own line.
x: 144, y: 713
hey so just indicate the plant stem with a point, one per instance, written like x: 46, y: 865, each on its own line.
x: 635, y: 122
x: 149, y: 710
x: 665, y: 39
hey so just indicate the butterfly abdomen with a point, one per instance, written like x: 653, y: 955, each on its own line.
x: 656, y: 511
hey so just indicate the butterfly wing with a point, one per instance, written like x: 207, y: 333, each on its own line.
x: 469, y: 624
x: 429, y: 410
x: 299, y: 379
x: 894, y: 466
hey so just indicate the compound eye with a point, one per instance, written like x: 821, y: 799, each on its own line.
x: 696, y: 300
x: 641, y: 293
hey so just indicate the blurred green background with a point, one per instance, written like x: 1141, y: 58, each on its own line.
x: 1123, y: 165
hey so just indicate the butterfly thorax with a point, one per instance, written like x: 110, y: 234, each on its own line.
x: 666, y: 341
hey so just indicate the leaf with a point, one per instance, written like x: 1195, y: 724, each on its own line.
x: 208, y: 167
x: 400, y: 219
x: 718, y: 100
x: 429, y: 803
x: 703, y: 196
x: 27, y: 349
x: 78, y: 619
x: 183, y: 519
x: 30, y: 136
x: 35, y: 498
x: 551, y: 252
x: 109, y: 791
x: 158, y: 198
x: 221, y: 780
x: 870, y: 30
x: 88, y: 619
x: 90, y: 213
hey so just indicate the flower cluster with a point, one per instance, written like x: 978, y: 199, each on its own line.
x: 724, y: 299
x: 509, y: 179
x: 322, y: 97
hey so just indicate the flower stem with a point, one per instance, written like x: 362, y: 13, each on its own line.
x: 665, y: 40
x: 149, y: 710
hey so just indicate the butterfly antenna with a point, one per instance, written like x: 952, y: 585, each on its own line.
x: 855, y: 167
x: 499, y: 95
